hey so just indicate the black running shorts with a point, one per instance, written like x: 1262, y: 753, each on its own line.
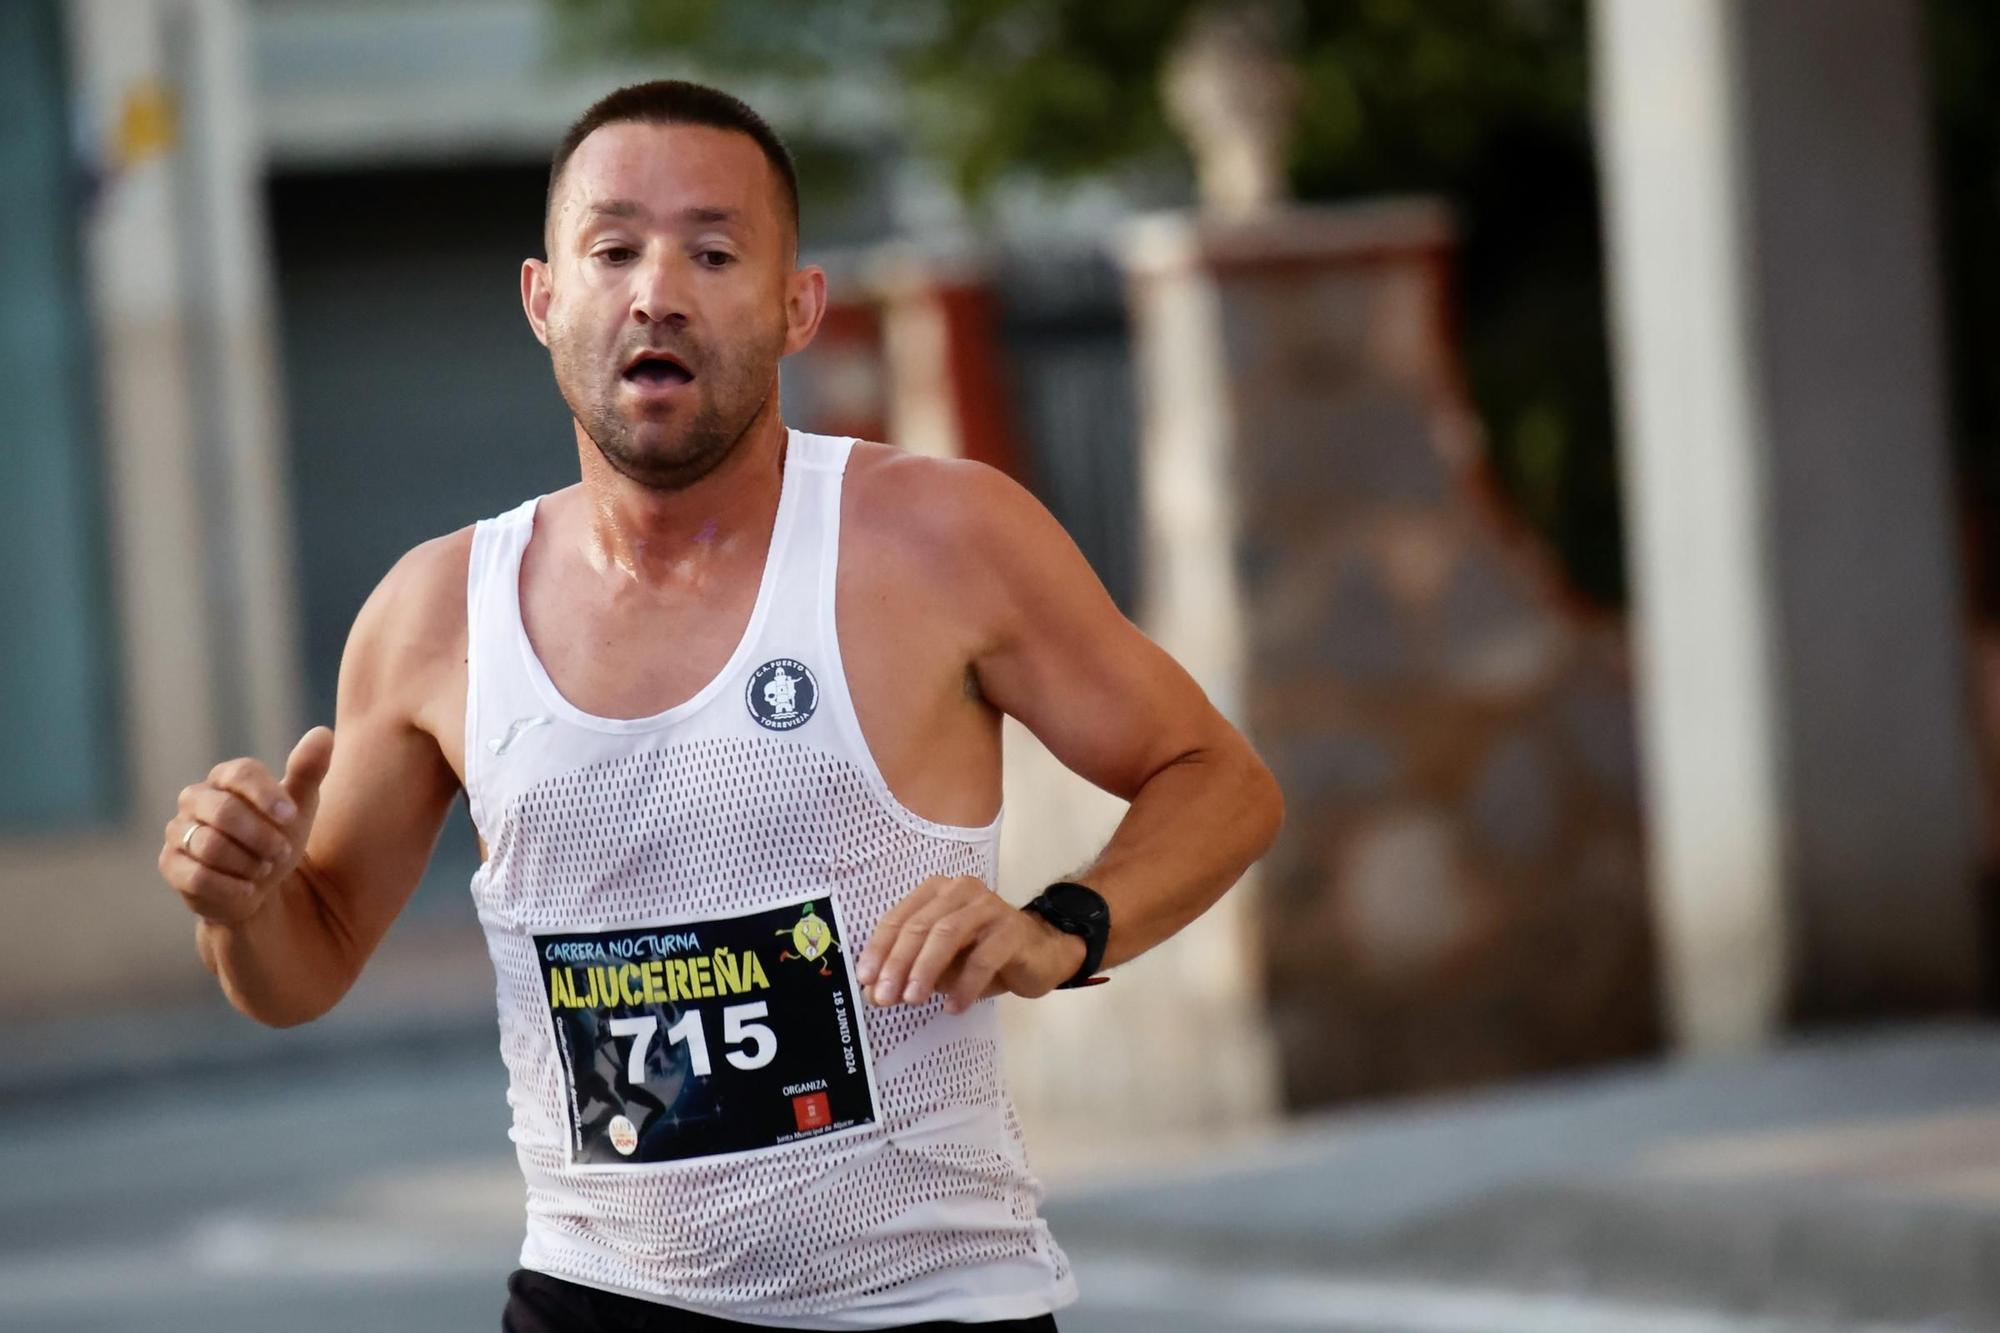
x: 538, y: 1303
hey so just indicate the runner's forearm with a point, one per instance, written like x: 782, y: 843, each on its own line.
x: 289, y: 963
x: 1190, y: 833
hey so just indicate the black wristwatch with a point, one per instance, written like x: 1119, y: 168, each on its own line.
x: 1077, y: 909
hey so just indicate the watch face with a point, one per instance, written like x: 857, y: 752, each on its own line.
x: 1077, y: 902
x: 1077, y: 909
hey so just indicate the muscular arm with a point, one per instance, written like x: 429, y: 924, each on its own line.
x: 1051, y: 649
x: 380, y: 808
x: 1113, y: 707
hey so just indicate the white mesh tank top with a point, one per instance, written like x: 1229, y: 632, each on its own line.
x: 705, y: 1111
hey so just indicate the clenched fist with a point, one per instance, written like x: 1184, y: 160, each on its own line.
x: 240, y: 832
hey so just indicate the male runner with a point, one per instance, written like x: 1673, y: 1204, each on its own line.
x: 727, y: 715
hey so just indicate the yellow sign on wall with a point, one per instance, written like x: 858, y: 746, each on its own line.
x: 148, y: 125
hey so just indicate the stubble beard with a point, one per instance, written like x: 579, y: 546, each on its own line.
x: 686, y: 446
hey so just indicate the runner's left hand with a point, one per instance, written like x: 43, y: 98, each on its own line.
x: 956, y: 937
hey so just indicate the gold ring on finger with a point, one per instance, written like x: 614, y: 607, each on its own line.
x: 187, y: 838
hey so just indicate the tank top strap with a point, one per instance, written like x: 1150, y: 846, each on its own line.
x: 809, y: 545
x: 498, y: 693
x: 791, y: 655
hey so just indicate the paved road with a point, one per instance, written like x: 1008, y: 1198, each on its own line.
x: 345, y: 1194
x: 373, y: 1192
x: 311, y: 1189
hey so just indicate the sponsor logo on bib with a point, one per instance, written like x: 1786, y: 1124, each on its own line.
x: 782, y: 694
x: 811, y: 1111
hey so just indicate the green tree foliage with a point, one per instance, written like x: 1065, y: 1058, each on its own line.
x: 1482, y: 101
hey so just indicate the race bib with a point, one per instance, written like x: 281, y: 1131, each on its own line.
x: 704, y: 1038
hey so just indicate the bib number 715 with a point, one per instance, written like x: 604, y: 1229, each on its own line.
x: 738, y: 1029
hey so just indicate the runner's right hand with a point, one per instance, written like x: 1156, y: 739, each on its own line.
x: 249, y: 830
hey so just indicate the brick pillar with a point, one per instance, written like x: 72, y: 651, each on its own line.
x: 839, y: 384
x: 941, y: 330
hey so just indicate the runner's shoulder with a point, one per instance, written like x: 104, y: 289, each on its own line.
x: 948, y: 511
x: 415, y: 619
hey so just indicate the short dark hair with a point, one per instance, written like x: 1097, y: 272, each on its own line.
x: 678, y: 102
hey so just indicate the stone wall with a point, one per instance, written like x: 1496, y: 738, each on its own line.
x: 1458, y: 895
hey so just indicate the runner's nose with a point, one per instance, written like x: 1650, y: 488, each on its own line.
x: 659, y: 295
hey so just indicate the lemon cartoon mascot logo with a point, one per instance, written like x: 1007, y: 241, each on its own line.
x: 812, y: 940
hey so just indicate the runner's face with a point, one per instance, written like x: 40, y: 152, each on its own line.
x: 668, y: 239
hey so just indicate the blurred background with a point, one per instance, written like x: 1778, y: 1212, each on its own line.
x: 1564, y: 434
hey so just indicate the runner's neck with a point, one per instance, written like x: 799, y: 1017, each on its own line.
x: 661, y: 537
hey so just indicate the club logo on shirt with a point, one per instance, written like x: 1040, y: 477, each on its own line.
x: 782, y: 694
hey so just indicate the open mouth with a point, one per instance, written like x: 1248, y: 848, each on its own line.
x: 657, y: 370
